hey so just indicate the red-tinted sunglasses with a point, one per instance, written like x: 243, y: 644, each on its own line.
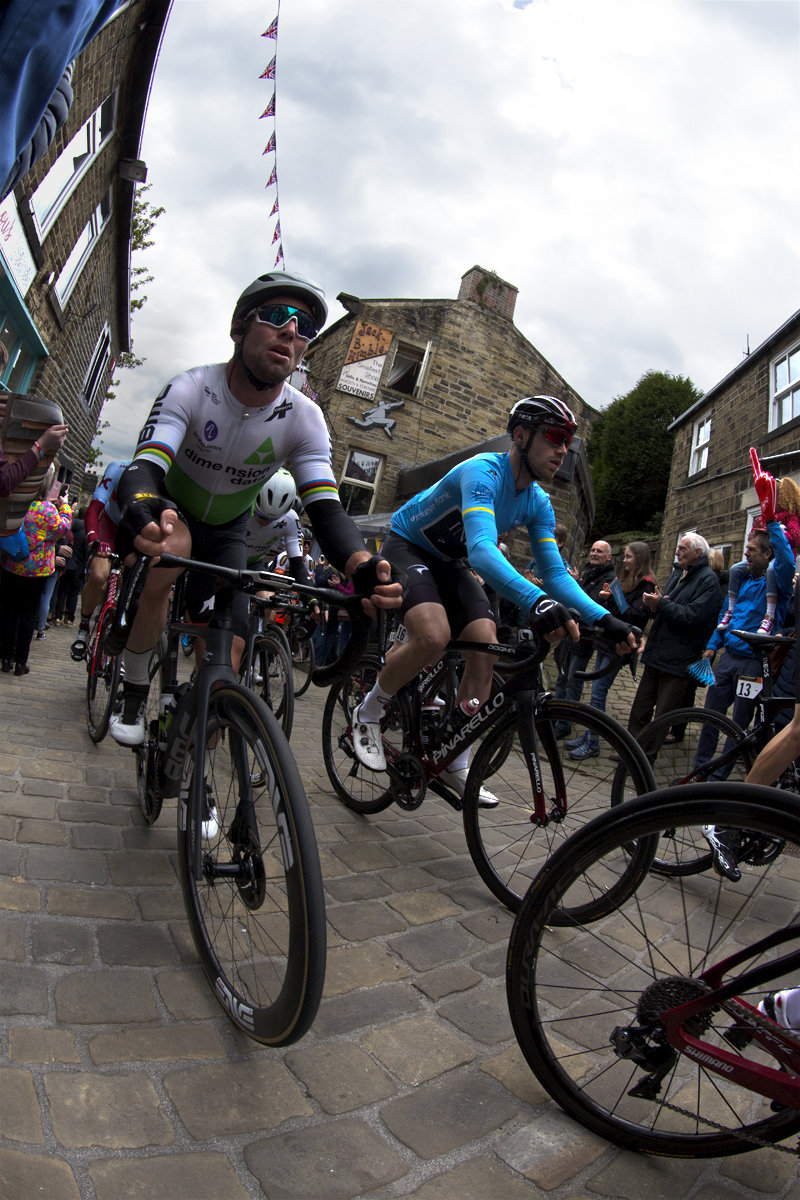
x: 557, y: 435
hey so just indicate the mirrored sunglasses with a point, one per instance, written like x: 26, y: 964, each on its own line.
x: 279, y: 315
x: 557, y: 435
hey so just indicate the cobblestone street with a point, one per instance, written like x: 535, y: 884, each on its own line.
x: 122, y: 1078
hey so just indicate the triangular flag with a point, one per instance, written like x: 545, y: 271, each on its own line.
x: 270, y: 145
x: 270, y: 71
x: 274, y: 208
x: 280, y: 254
x: 277, y: 233
x: 272, y: 31
x: 269, y: 111
x: 272, y: 179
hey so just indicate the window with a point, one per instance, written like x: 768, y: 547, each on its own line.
x: 72, y: 268
x: 359, y: 482
x: 700, y: 439
x: 16, y: 362
x: 407, y: 370
x: 785, y: 388
x: 94, y: 376
x: 71, y: 165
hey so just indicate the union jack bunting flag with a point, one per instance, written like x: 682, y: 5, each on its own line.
x: 272, y: 179
x: 280, y: 255
x: 274, y: 208
x: 270, y: 71
x: 272, y: 31
x: 277, y: 233
x: 270, y: 145
x: 269, y: 111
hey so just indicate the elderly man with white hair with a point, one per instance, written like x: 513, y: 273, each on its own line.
x: 685, y: 614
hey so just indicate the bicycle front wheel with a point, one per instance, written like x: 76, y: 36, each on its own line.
x: 362, y: 790
x: 582, y: 998
x: 102, y: 683
x: 303, y: 663
x: 258, y: 914
x: 673, y: 764
x: 507, y: 846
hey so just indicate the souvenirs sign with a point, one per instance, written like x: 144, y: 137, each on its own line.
x: 362, y: 368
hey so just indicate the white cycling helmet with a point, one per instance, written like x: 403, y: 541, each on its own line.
x: 276, y: 496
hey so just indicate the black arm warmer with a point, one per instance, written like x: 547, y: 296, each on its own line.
x: 337, y: 534
x: 141, y: 476
x: 297, y: 570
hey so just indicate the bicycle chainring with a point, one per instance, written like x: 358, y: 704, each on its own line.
x: 409, y: 782
x: 757, y: 849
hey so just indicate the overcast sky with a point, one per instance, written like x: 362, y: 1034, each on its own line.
x: 631, y: 167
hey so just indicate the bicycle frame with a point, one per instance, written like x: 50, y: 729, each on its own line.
x: 108, y: 604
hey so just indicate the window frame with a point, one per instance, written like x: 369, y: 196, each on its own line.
x: 14, y: 313
x: 101, y: 357
x: 424, y: 364
x: 698, y: 458
x: 790, y: 390
x: 344, y: 478
x: 97, y: 222
x: 44, y: 223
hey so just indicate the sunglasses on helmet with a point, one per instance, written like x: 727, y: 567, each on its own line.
x: 279, y: 315
x: 557, y: 435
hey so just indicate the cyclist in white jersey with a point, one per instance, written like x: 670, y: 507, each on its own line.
x: 275, y: 526
x: 213, y: 438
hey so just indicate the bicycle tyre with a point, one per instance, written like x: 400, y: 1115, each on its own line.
x: 568, y: 994
x: 276, y: 688
x: 671, y: 765
x: 361, y: 790
x: 147, y: 781
x: 102, y: 683
x: 260, y: 935
x: 505, y: 845
x: 304, y: 660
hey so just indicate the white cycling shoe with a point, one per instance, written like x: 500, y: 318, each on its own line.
x: 126, y: 735
x: 457, y: 780
x: 367, y: 743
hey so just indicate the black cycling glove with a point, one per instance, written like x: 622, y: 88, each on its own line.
x: 616, y: 631
x: 365, y: 576
x: 136, y: 515
x: 548, y: 615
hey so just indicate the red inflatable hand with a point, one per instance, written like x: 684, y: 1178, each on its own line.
x: 766, y: 488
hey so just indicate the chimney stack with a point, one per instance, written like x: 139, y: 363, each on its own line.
x: 490, y: 291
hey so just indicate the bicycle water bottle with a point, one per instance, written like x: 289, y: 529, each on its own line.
x: 465, y: 710
x: 429, y: 722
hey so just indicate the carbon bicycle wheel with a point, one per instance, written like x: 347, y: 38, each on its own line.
x: 585, y: 1001
x: 673, y: 764
x: 362, y: 790
x: 258, y: 914
x: 147, y: 782
x: 507, y: 847
x: 303, y: 663
x: 271, y: 679
x: 102, y: 683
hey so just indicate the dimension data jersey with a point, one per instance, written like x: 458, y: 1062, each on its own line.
x: 463, y: 515
x: 218, y: 453
x: 267, y: 540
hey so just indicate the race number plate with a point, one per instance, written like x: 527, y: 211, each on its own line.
x: 748, y: 686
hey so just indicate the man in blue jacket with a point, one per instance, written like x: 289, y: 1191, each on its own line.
x: 737, y: 659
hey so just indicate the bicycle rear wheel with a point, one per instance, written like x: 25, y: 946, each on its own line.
x: 271, y: 679
x: 507, y: 847
x: 673, y: 764
x: 258, y: 914
x: 572, y: 990
x: 303, y: 663
x: 102, y: 683
x: 362, y: 790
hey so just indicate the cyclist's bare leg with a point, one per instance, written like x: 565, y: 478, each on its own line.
x: 154, y: 603
x: 776, y: 756
x: 476, y: 682
x: 94, y: 589
x: 428, y: 634
x: 237, y: 650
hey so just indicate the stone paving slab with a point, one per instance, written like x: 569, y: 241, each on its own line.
x: 121, y: 1077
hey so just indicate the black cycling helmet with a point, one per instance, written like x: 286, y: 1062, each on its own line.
x: 533, y: 411
x: 280, y: 283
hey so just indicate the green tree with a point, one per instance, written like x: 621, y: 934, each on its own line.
x: 630, y: 452
x: 144, y: 218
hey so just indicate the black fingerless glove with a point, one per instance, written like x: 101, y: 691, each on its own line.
x: 616, y: 631
x: 137, y: 514
x: 547, y: 616
x: 365, y: 577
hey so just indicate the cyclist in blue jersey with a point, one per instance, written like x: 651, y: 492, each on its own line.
x: 454, y: 525
x: 215, y: 435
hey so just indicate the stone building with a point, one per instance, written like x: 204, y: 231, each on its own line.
x: 411, y: 387
x: 65, y: 233
x: 711, y: 483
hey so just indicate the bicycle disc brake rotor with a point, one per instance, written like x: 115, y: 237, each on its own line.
x: 670, y: 992
x: 408, y: 782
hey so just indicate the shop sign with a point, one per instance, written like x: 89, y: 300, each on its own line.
x: 363, y: 365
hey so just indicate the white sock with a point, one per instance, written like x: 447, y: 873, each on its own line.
x: 462, y: 762
x: 373, y: 705
x: 137, y: 667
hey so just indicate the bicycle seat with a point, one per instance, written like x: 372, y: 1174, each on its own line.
x: 765, y: 640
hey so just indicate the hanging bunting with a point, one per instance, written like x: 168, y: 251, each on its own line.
x: 269, y: 111
x: 277, y: 233
x: 270, y: 144
x: 272, y: 32
x: 272, y: 179
x: 270, y: 71
x: 274, y: 208
x: 280, y: 257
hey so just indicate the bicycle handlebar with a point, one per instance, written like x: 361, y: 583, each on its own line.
x: 597, y: 634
